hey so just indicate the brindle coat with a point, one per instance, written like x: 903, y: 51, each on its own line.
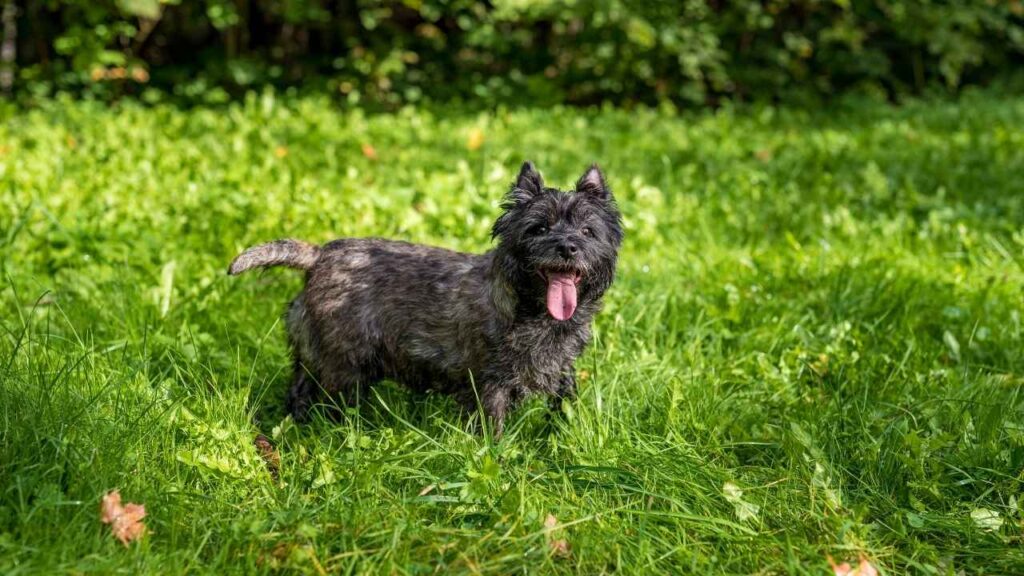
x: 432, y: 318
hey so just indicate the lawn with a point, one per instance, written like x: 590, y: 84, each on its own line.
x: 813, y: 348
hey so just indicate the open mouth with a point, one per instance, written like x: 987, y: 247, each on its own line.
x: 561, y: 295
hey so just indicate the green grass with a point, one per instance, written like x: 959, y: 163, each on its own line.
x: 823, y: 309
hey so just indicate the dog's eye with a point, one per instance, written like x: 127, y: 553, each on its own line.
x: 586, y: 231
x: 539, y: 230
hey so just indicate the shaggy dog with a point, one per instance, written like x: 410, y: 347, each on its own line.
x: 499, y: 326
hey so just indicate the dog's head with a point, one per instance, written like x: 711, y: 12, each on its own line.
x: 559, y: 247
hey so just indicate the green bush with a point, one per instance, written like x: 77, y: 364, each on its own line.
x: 582, y: 51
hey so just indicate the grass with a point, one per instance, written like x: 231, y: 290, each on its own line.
x: 819, y: 309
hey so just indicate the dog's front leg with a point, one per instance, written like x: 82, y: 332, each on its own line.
x: 496, y: 401
x: 566, y: 389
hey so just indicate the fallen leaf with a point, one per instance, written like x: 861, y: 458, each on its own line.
x: 475, y: 139
x: 988, y: 520
x: 764, y: 155
x: 744, y: 510
x: 280, y: 151
x: 269, y: 454
x: 558, y: 546
x: 276, y: 557
x: 325, y: 472
x: 820, y: 366
x: 864, y: 568
x: 843, y: 569
x: 428, y: 489
x: 125, y: 521
x: 140, y: 75
x: 369, y: 151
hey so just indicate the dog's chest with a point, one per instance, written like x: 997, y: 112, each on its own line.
x: 542, y: 353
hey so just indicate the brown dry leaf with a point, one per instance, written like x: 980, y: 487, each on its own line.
x: 864, y: 568
x: 558, y: 546
x: 369, y: 151
x: 276, y: 557
x: 269, y: 454
x: 820, y: 366
x: 840, y: 569
x: 125, y: 521
x: 428, y: 489
x: 475, y: 139
x: 281, y: 151
x: 428, y: 30
x: 140, y: 75
x: 763, y: 155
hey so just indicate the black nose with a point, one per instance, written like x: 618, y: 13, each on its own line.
x: 568, y: 249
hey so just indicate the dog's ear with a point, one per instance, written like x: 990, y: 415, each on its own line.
x: 527, y: 186
x: 529, y: 182
x: 592, y: 183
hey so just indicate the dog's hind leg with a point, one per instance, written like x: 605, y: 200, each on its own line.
x: 345, y: 385
x: 340, y: 386
x: 305, y: 389
x: 304, y: 392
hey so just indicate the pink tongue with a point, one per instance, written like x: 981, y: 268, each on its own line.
x: 561, y: 295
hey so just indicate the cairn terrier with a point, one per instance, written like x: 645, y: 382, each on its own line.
x: 494, y: 327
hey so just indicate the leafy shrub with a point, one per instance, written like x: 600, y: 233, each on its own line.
x: 582, y: 51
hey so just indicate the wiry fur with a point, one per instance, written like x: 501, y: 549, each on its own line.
x: 291, y: 253
x: 432, y: 318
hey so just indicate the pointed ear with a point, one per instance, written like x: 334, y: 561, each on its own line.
x: 529, y: 181
x: 592, y: 183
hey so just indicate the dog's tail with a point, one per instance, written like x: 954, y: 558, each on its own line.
x: 290, y: 253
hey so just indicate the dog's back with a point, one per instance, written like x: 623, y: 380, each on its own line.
x: 394, y: 309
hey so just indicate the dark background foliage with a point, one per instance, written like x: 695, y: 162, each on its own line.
x: 539, y: 51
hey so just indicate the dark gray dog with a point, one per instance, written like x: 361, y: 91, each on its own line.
x: 511, y: 321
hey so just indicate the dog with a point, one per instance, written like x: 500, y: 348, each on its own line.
x: 492, y: 328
